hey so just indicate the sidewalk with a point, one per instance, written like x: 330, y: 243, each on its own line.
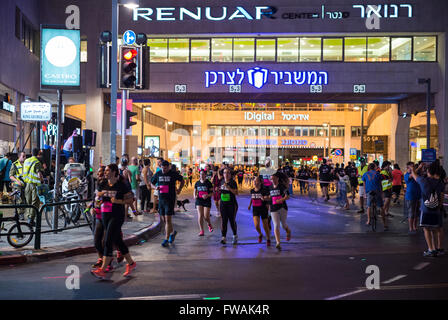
x: 75, y: 241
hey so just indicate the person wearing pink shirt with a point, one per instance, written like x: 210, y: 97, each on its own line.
x: 397, y: 182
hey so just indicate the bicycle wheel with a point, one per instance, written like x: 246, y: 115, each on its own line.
x: 62, y: 221
x: 20, y: 240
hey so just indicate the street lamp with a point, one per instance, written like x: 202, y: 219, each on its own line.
x: 328, y: 136
x: 114, y: 74
x: 428, y: 110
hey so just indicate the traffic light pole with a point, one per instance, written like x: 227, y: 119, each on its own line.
x: 124, y: 96
x: 57, y: 174
x: 114, y: 84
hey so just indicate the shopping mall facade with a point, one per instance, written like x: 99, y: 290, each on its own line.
x: 238, y: 81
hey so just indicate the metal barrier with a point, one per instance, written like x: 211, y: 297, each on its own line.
x: 39, y: 211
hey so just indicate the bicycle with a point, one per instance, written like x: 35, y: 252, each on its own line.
x: 72, y: 212
x: 20, y: 233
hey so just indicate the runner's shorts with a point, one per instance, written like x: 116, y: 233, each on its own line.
x: 166, y: 207
x: 377, y: 198
x: 362, y: 191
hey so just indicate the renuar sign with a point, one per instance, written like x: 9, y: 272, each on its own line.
x: 35, y: 111
x: 60, y: 58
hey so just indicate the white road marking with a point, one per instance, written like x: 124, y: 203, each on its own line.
x: 169, y: 297
x: 346, y: 294
x: 422, y: 265
x: 395, y: 279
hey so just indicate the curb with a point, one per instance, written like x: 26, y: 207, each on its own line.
x: 133, y: 239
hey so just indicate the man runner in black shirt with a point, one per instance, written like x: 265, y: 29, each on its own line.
x: 325, y: 178
x: 165, y: 182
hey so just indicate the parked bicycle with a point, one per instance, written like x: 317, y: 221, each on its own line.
x: 20, y: 233
x: 71, y: 213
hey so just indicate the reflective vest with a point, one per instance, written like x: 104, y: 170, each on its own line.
x: 19, y: 167
x: 361, y: 173
x: 28, y: 173
x: 386, y: 183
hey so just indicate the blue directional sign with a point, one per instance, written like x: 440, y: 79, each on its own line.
x: 129, y: 37
x: 429, y: 155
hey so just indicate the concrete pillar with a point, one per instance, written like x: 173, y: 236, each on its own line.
x: 94, y: 121
x: 440, y: 102
x: 399, y: 137
x: 347, y: 143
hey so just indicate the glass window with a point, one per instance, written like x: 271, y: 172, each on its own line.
x: 291, y: 131
x: 83, y: 51
x: 263, y: 132
x: 222, y: 50
x: 355, y: 49
x: 273, y: 132
x: 158, y: 50
x: 312, y: 131
x: 305, y: 131
x: 287, y: 49
x: 179, y: 50
x: 332, y: 50
x: 243, y: 49
x: 425, y: 48
x: 200, y: 50
x: 265, y: 49
x: 401, y: 49
x: 284, y: 132
x: 378, y: 49
x: 298, y: 132
x: 310, y: 49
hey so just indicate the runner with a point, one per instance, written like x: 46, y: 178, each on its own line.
x: 397, y: 181
x: 325, y: 178
x: 362, y: 190
x: 373, y: 189
x: 116, y: 193
x: 279, y: 209
x: 203, y: 190
x: 216, y: 182
x: 386, y: 183
x: 145, y: 186
x: 165, y: 182
x: 352, y: 173
x: 156, y: 192
x: 259, y: 200
x: 266, y: 173
x: 126, y: 173
x: 228, y: 205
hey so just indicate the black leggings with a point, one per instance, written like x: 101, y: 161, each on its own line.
x: 112, y: 224
x: 98, y: 236
x: 228, y: 214
x: 145, y: 198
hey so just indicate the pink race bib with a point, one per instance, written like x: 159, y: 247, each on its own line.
x: 267, y: 182
x: 164, y: 189
x: 275, y: 199
x: 257, y: 202
x: 98, y: 213
x: 202, y: 193
x: 106, y: 207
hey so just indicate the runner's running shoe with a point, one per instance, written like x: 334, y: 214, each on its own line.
x: 260, y: 238
x: 288, y: 235
x: 201, y: 234
x: 223, y: 240
x: 210, y: 228
x: 268, y: 243
x: 235, y: 240
x: 98, y: 263
x: 279, y: 248
x: 172, y: 237
x: 430, y: 253
x: 98, y: 273
x: 129, y: 268
x: 109, y: 268
x: 165, y: 243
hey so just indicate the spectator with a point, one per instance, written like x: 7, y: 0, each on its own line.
x: 431, y: 218
x: 397, y: 181
x: 412, y: 198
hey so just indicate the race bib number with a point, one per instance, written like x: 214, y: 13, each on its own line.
x: 225, y: 197
x: 257, y: 202
x: 202, y: 194
x: 267, y: 182
x: 275, y: 199
x: 106, y: 207
x: 164, y: 189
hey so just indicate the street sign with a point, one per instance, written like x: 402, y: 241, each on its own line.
x: 428, y: 155
x: 180, y: 88
x: 129, y: 37
x: 35, y: 111
x: 359, y: 88
x: 60, y: 62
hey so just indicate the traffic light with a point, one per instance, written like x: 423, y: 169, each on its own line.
x: 128, y: 67
x: 129, y: 122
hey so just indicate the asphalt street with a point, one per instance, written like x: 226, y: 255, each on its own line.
x: 327, y: 258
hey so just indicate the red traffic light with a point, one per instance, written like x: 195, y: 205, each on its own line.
x: 129, y: 54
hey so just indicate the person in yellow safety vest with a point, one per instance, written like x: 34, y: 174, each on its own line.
x: 32, y: 175
x: 362, y: 191
x: 16, y: 176
x: 386, y: 183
